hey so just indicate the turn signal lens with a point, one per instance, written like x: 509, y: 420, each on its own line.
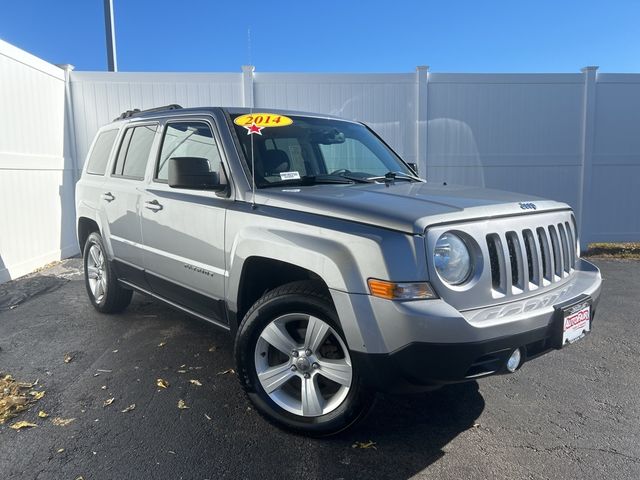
x: 401, y: 291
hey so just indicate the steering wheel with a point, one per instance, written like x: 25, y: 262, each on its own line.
x: 339, y: 171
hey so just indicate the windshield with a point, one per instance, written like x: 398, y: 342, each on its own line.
x: 316, y: 148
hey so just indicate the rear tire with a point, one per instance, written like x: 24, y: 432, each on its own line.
x: 294, y: 365
x: 101, y: 281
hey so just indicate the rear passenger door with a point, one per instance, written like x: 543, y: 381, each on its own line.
x: 121, y: 200
x: 183, y: 229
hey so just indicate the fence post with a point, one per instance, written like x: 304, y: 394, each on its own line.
x: 422, y: 79
x: 247, y: 85
x: 588, y: 133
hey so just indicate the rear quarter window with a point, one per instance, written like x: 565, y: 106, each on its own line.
x: 97, y: 162
x: 134, y: 152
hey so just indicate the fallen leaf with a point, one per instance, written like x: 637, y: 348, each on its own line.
x: 162, y: 383
x: 162, y: 344
x: 103, y: 387
x: 213, y: 348
x: 115, y: 351
x: 37, y: 395
x: 22, y: 424
x: 60, y: 450
x: 195, y: 382
x: 230, y: 370
x: 61, y: 422
x: 68, y: 358
x: 476, y: 425
x: 182, y: 405
x: 129, y: 408
x: 43, y: 414
x: 171, y: 452
x: 108, y: 401
x: 207, y: 416
x: 369, y: 444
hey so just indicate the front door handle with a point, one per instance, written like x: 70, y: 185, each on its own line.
x: 108, y: 196
x: 153, y: 205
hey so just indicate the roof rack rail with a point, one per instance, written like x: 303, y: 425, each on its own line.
x: 137, y: 111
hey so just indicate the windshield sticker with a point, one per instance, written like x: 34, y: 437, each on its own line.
x: 255, y: 122
x: 289, y: 176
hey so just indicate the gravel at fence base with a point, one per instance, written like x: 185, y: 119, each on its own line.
x: 572, y: 414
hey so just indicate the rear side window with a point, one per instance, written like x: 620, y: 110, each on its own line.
x: 134, y: 152
x: 187, y: 139
x: 99, y: 157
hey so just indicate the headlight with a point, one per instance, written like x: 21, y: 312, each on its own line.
x: 452, y: 259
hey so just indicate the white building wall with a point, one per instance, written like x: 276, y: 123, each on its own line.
x: 36, y: 180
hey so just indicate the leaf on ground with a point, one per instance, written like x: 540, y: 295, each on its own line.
x: 195, y: 382
x: 182, y: 405
x: 43, y: 414
x: 207, y: 417
x: 61, y: 422
x: 162, y: 344
x: 68, y: 358
x: 108, y: 401
x: 37, y: 395
x: 129, y: 408
x: 213, y: 348
x: 13, y: 397
x: 22, y: 424
x: 103, y: 387
x: 162, y: 383
x: 229, y: 370
x: 60, y: 450
x: 365, y: 445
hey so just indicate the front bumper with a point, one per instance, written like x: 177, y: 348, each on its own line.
x: 428, y: 343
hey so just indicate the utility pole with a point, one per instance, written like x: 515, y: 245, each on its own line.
x: 109, y: 27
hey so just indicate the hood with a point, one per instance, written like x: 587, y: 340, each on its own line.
x: 403, y: 206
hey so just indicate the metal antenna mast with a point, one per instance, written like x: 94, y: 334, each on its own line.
x: 253, y: 162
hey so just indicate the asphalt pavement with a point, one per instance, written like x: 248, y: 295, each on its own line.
x: 571, y: 414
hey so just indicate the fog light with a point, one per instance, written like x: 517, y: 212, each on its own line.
x: 514, y: 360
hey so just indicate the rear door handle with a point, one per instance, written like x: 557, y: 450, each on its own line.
x: 108, y: 196
x: 153, y: 205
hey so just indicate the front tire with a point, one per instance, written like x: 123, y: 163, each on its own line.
x: 294, y: 365
x: 101, y: 282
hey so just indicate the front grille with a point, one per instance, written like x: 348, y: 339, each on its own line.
x: 530, y: 260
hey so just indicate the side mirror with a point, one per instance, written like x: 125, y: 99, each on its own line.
x: 413, y: 167
x: 194, y: 173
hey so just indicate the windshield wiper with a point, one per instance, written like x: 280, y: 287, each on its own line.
x: 312, y: 180
x: 395, y: 176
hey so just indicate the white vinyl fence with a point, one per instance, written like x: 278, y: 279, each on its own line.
x: 571, y: 137
x: 36, y: 175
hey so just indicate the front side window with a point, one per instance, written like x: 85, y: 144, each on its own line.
x: 134, y: 152
x: 187, y: 139
x: 313, y: 149
x: 97, y: 163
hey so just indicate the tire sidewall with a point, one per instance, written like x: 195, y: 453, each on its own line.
x: 350, y: 410
x: 96, y: 239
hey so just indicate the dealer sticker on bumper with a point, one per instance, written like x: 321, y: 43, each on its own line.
x: 577, y: 322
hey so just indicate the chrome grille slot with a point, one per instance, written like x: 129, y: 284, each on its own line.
x: 533, y: 261
x: 572, y: 245
x: 545, y: 252
x: 565, y: 248
x: 557, y: 254
x: 496, y: 260
x: 515, y: 258
x: 517, y: 255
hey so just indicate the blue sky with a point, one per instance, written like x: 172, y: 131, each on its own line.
x: 333, y: 36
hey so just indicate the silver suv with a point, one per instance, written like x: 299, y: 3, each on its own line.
x: 337, y: 271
